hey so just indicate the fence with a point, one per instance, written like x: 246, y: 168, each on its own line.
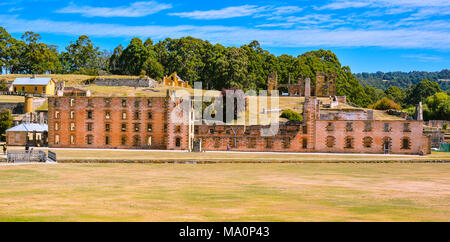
x: 445, y: 147
x: 52, y: 156
x: 24, y: 156
x: 22, y: 94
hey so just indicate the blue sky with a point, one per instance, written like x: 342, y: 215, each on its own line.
x: 367, y: 35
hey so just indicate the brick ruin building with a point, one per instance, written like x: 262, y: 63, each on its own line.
x: 149, y: 123
x: 324, y: 86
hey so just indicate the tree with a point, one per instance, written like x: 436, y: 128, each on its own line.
x: 133, y: 57
x: 438, y: 107
x: 6, y: 121
x: 396, y: 94
x: 153, y: 68
x: 38, y: 57
x: 386, y: 104
x: 82, y: 57
x: 114, y: 61
x: 418, y: 93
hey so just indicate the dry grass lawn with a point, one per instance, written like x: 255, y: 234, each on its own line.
x: 11, y: 99
x: 225, y: 192
x: 93, y: 155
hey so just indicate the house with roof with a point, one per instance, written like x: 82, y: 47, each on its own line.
x: 34, y: 85
x: 175, y: 81
x: 32, y: 134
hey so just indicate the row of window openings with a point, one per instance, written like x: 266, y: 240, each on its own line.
x: 247, y: 131
x: 35, y: 89
x: 368, y: 127
x: 123, y: 140
x: 251, y: 143
x: 367, y: 142
x: 124, y: 116
x: 136, y: 127
x: 90, y: 103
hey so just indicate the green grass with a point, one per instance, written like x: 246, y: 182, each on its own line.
x: 225, y: 192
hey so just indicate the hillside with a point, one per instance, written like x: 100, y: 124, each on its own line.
x: 383, y: 80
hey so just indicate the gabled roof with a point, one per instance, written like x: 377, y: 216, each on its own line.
x: 32, y: 81
x: 29, y: 127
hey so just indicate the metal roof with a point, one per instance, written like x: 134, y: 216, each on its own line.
x: 32, y: 81
x: 29, y: 127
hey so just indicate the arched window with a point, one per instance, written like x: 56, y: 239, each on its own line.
x: 56, y: 139
x: 349, y: 142
x: 387, y: 144
x: 406, y: 143
x: 178, y: 142
x: 149, y: 140
x: 367, y: 142
x: 89, y: 139
x: 123, y: 140
x: 136, y: 140
x: 331, y: 141
x: 107, y: 140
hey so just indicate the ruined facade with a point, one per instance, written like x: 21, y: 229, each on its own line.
x: 159, y: 123
x: 324, y: 86
x: 272, y: 83
x: 175, y: 81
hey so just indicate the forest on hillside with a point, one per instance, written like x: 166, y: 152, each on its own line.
x: 216, y: 66
x: 400, y: 79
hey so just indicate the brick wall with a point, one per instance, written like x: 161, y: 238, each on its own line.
x: 95, y: 127
x: 340, y: 131
x: 16, y: 138
x: 313, y: 135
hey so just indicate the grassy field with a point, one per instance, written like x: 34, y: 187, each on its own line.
x: 11, y: 99
x: 70, y: 79
x: 225, y: 192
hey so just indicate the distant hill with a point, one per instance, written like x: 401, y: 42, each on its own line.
x: 383, y: 80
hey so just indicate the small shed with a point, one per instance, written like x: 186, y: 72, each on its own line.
x: 32, y: 134
x: 34, y: 85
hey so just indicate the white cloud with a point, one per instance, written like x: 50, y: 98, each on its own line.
x: 343, y: 4
x: 14, y: 10
x: 283, y: 25
x: 287, y: 10
x: 137, y: 9
x: 399, y: 38
x: 239, y: 11
x: 229, y: 12
x: 424, y: 58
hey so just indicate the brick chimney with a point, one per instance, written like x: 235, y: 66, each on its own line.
x: 419, y: 114
x: 307, y: 88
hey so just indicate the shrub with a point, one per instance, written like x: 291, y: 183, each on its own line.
x: 291, y: 115
x: 143, y: 74
x: 385, y: 104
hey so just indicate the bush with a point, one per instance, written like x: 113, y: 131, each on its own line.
x: 291, y: 115
x: 385, y: 104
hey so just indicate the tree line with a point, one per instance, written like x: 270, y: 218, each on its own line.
x: 195, y: 60
x: 384, y: 80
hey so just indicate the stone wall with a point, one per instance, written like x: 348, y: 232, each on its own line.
x: 144, y: 82
x: 15, y: 108
x: 16, y: 138
x: 19, y: 108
